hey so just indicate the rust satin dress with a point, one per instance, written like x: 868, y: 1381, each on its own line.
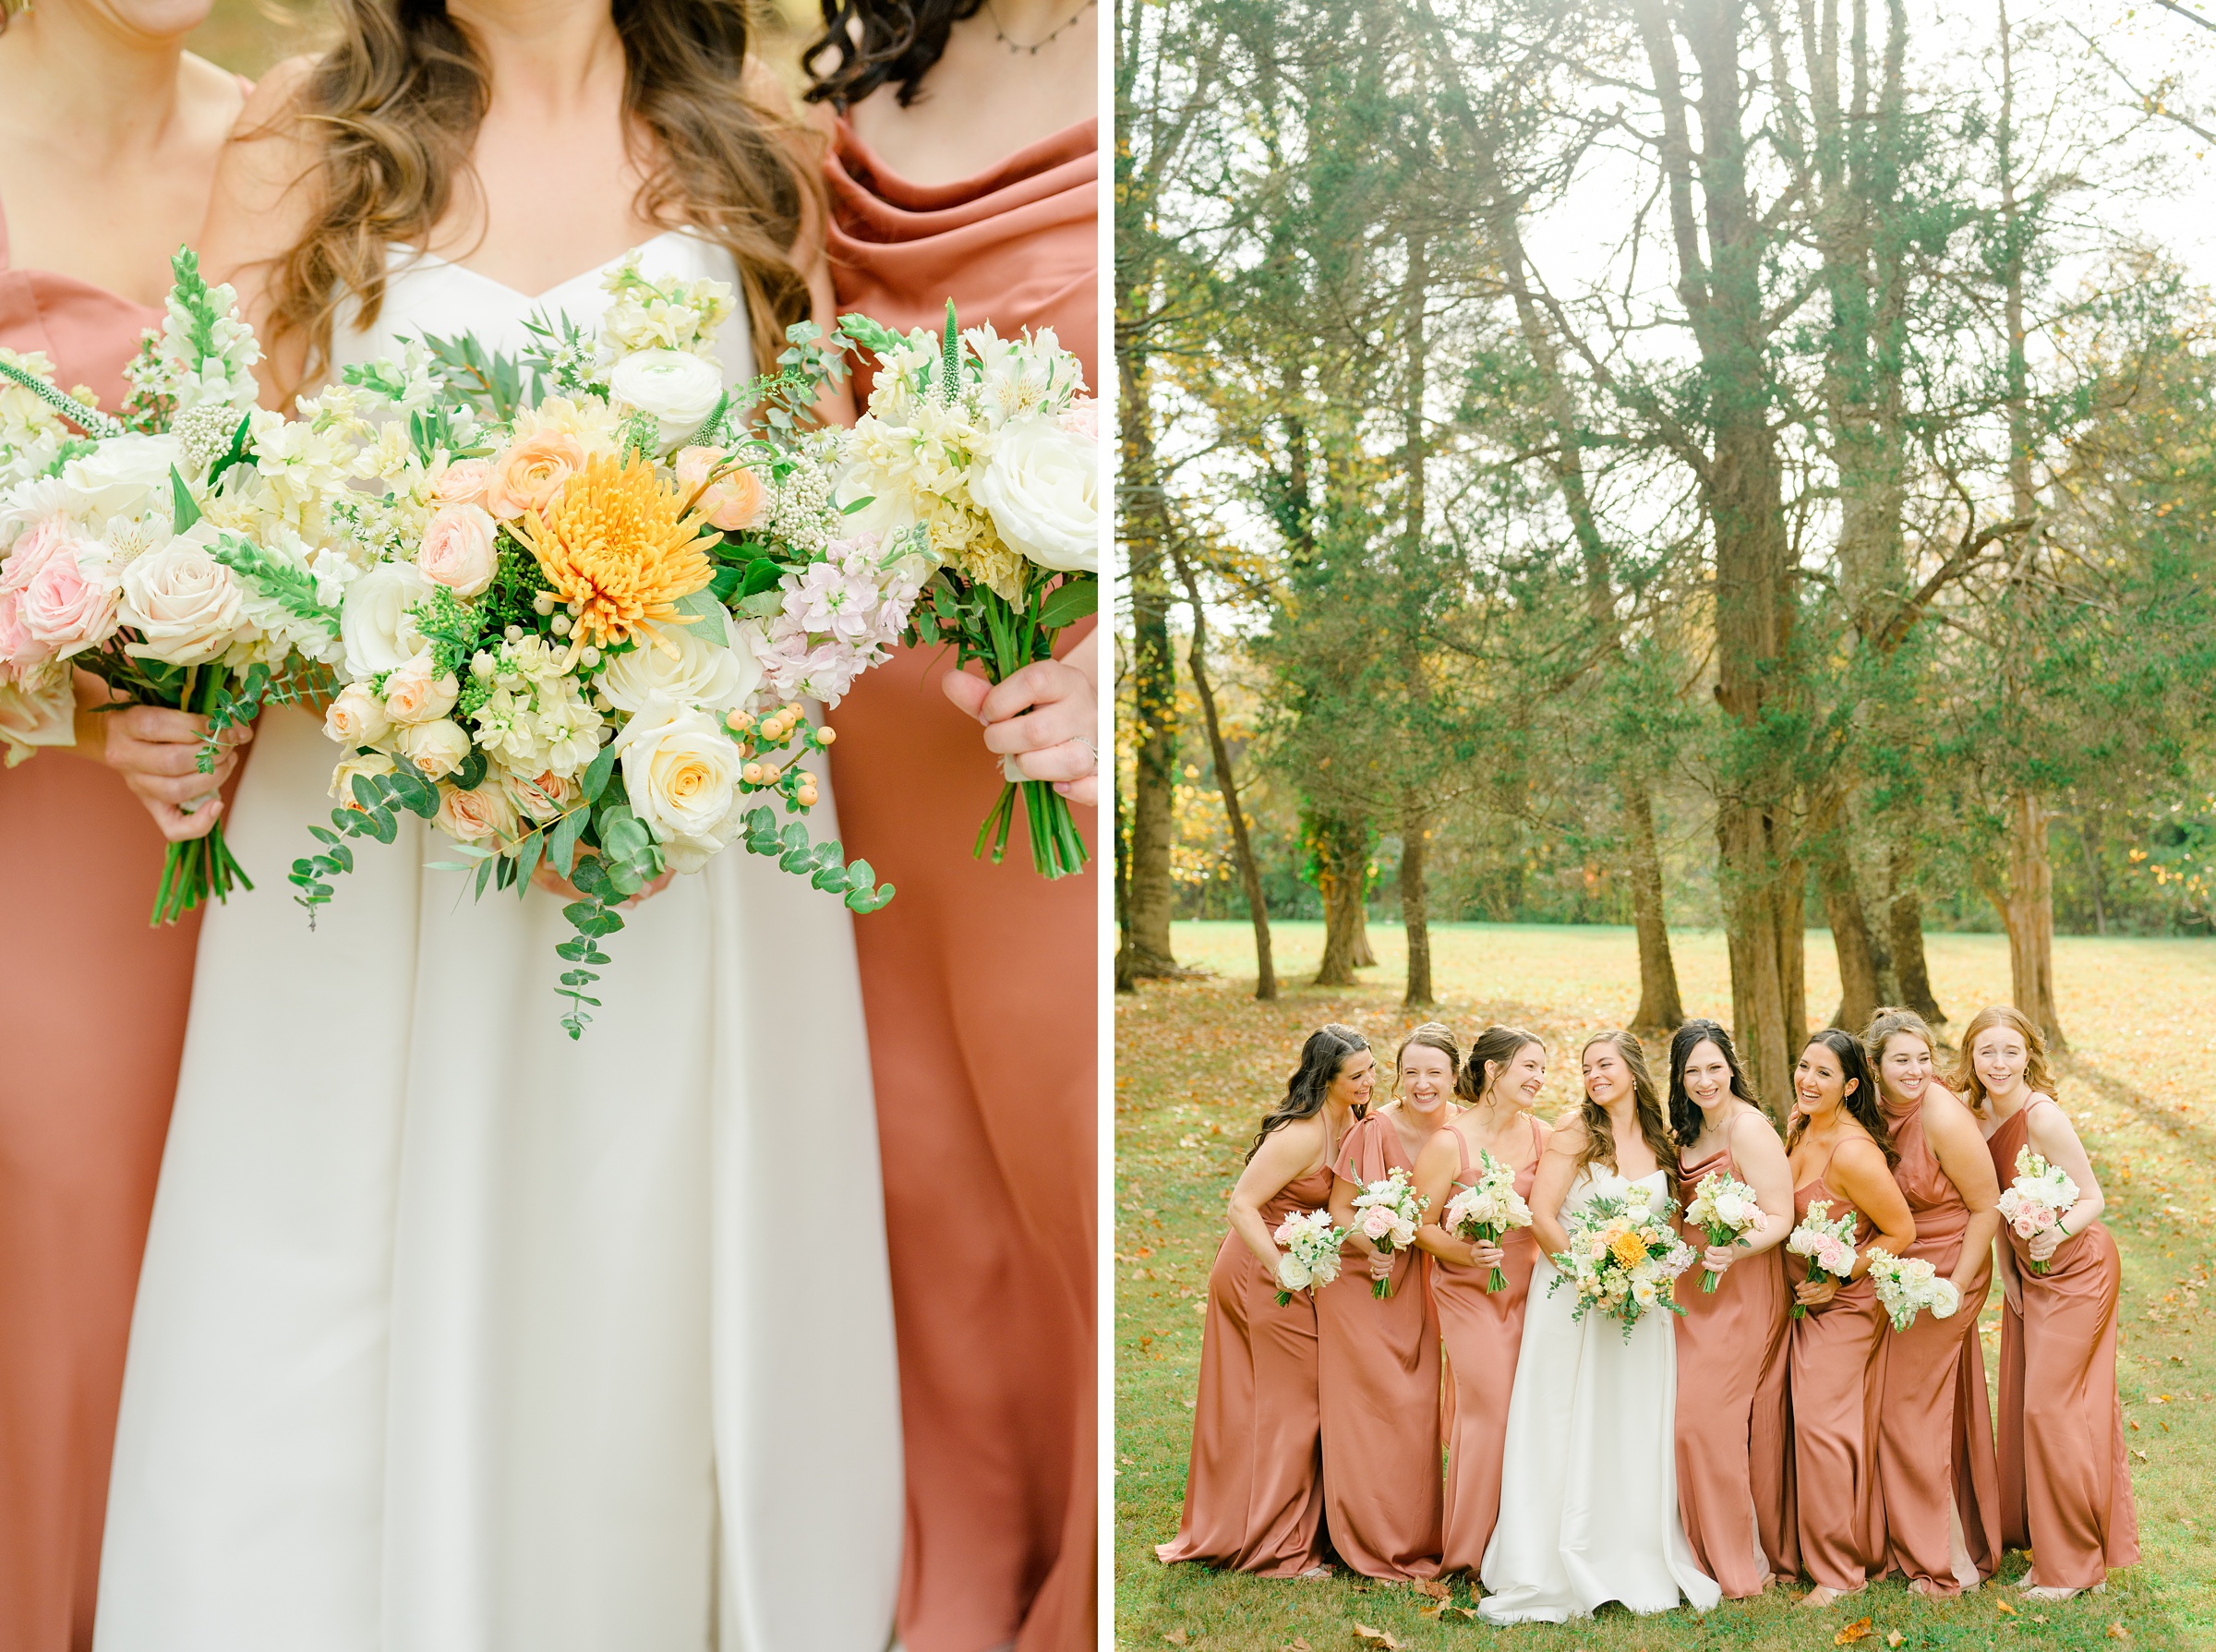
x: 980, y: 985
x: 1935, y: 1441
x: 1379, y: 1359
x: 1253, y: 1485
x: 1734, y: 1469
x: 1483, y: 1331
x: 1838, y: 1362
x: 95, y: 1024
x: 2065, y: 1481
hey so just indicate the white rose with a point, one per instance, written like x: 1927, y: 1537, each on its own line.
x: 123, y: 474
x: 185, y: 605
x: 888, y: 512
x: 357, y: 718
x: 414, y: 692
x: 379, y: 633
x: 1293, y: 1273
x: 681, y: 391
x: 681, y: 772
x: 437, y: 748
x: 473, y: 816
x: 1043, y: 490
x: 704, y: 674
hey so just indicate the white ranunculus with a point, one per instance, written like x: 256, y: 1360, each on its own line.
x: 123, y: 474
x: 706, y: 674
x: 681, y: 772
x: 185, y: 605
x: 681, y: 391
x: 1043, y: 489
x: 379, y: 633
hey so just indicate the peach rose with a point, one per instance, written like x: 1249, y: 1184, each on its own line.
x: 462, y: 482
x: 528, y: 475
x: 356, y: 718
x: 733, y: 501
x: 371, y: 763
x: 438, y: 748
x: 458, y: 551
x: 413, y: 694
x: 473, y: 816
x: 542, y: 797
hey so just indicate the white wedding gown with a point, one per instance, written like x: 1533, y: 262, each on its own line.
x: 456, y: 1336
x: 1589, y: 1478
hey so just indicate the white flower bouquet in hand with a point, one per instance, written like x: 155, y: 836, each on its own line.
x: 993, y: 445
x: 1827, y: 1244
x: 1311, y: 1255
x: 179, y: 549
x: 1727, y: 1210
x: 1488, y: 1209
x: 1909, y: 1285
x: 1390, y: 1211
x: 2039, y: 1197
x: 1622, y: 1260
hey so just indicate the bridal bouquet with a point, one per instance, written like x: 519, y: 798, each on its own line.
x: 598, y: 586
x: 1488, y: 1209
x: 1390, y: 1211
x: 1623, y: 1260
x: 991, y: 444
x: 1311, y: 1252
x: 2038, y: 1198
x: 1907, y: 1286
x: 1725, y: 1210
x: 179, y: 550
x: 1828, y: 1245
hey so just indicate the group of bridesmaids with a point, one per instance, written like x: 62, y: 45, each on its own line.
x: 1811, y: 1439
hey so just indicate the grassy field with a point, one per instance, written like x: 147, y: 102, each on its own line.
x: 1197, y: 1061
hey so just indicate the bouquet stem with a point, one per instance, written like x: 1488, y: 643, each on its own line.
x: 1018, y: 639
x: 193, y: 871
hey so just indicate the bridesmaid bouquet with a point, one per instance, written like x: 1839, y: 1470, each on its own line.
x: 1727, y: 1210
x: 597, y: 585
x: 1488, y: 1209
x: 2038, y: 1198
x: 993, y: 445
x: 1390, y: 1211
x: 1311, y: 1252
x: 187, y: 552
x: 1623, y: 1260
x: 1828, y: 1245
x: 1907, y: 1286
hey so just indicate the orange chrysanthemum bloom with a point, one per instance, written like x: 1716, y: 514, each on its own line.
x: 618, y: 542
x: 1628, y: 1249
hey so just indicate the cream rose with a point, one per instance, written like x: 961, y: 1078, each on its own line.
x: 734, y: 502
x: 414, y: 693
x: 437, y: 748
x: 681, y: 772
x: 473, y: 816
x: 681, y: 391
x: 357, y: 718
x: 374, y: 622
x: 357, y: 763
x: 38, y: 711
x: 705, y: 674
x: 458, y: 551
x: 531, y: 473
x: 1043, y: 489
x: 123, y: 474
x: 184, y: 605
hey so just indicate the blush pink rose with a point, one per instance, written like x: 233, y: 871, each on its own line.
x: 66, y: 609
x: 33, y: 551
x: 17, y: 645
x: 1082, y: 417
x: 528, y: 475
x: 733, y: 501
x: 463, y: 483
x: 458, y: 551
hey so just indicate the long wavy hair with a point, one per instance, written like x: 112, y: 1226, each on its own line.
x: 1860, y: 1086
x: 393, y: 109
x: 1600, y: 1136
x: 1322, y: 1058
x: 1489, y: 1058
x: 880, y: 40
x: 1684, y: 1112
x: 1964, y: 1080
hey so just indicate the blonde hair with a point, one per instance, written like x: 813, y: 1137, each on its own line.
x: 1964, y: 1080
x: 393, y: 108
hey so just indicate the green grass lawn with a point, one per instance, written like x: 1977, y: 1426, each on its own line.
x: 1199, y: 1061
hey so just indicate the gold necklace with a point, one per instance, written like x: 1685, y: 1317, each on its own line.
x: 1018, y: 46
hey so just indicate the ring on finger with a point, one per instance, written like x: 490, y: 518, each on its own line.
x: 1091, y: 752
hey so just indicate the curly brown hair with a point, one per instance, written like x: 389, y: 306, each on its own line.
x: 880, y: 42
x: 1964, y: 1080
x: 393, y: 108
x: 1600, y: 1134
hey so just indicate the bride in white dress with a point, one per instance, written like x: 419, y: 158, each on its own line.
x: 454, y: 1336
x: 1589, y: 1479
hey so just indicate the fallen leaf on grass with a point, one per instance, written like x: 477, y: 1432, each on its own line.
x: 2002, y: 1606
x: 1854, y: 1632
x: 1379, y: 1637
x: 1175, y: 1638
x: 2139, y: 1453
x: 1895, y: 1637
x: 1431, y: 1588
x: 2116, y: 1632
x: 1299, y: 1643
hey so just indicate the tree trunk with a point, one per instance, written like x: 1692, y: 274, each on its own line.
x: 1414, y: 905
x: 1851, y: 940
x: 1660, y: 1010
x: 1151, y: 897
x: 2028, y: 912
x: 2089, y: 834
x: 1242, y: 844
x: 1124, y: 981
x: 1904, y: 920
x: 1341, y: 878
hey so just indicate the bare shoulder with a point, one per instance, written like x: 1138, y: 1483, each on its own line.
x: 277, y: 96
x: 1546, y: 1130
x: 1858, y: 1155
x: 1568, y: 1135
x: 1754, y: 1131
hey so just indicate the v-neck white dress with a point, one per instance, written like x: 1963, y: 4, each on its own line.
x: 456, y: 1336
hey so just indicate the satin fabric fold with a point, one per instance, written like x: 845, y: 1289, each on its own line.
x: 1838, y: 1363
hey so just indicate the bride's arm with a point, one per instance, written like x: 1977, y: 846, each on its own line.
x: 1550, y: 1186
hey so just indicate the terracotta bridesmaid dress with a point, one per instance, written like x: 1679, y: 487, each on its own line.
x: 1838, y: 1375
x: 1734, y: 1460
x: 96, y: 1003
x: 1483, y: 1331
x: 2065, y: 1481
x: 1253, y: 1485
x: 1936, y: 1463
x: 1379, y: 1366
x: 979, y: 984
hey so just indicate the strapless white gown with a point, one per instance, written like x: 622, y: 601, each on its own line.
x: 1589, y: 1478
x: 456, y: 1336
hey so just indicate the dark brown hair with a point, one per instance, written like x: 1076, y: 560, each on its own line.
x: 393, y: 108
x: 1859, y: 1086
x: 1600, y: 1134
x: 1495, y: 1048
x: 1321, y: 1059
x: 879, y: 41
x: 1686, y: 1116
